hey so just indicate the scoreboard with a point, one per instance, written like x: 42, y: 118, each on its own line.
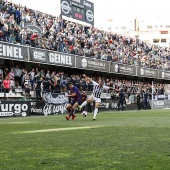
x: 81, y: 10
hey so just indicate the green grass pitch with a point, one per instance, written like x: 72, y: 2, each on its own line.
x: 130, y: 140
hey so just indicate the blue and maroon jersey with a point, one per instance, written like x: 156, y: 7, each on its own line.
x: 78, y: 95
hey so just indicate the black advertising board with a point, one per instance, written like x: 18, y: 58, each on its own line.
x: 123, y: 69
x: 52, y: 57
x: 31, y: 54
x: 37, y: 107
x: 13, y: 52
x: 77, y: 3
x: 89, y: 12
x: 147, y: 72
x: 43, y: 108
x: 14, y: 108
x: 92, y: 64
x: 38, y: 55
x: 66, y: 8
x: 61, y: 59
x: 164, y: 75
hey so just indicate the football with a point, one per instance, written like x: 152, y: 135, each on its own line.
x: 84, y: 113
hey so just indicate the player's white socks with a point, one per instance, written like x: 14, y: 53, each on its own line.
x: 83, y: 104
x: 95, y: 112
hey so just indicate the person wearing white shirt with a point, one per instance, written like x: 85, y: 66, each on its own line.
x: 98, y: 89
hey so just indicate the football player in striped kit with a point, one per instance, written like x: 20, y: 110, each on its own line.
x: 98, y: 89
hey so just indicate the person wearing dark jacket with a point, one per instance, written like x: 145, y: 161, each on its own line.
x: 121, y: 99
x: 46, y: 85
x: 138, y: 97
x: 38, y: 88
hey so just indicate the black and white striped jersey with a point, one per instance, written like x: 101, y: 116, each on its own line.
x: 97, y: 90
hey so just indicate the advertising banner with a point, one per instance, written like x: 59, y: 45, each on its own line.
x: 158, y: 104
x: 33, y: 28
x: 164, y: 75
x: 55, y: 103
x: 61, y: 59
x: 92, y: 64
x: 52, y: 58
x: 66, y: 8
x: 147, y: 72
x: 13, y: 52
x: 37, y: 107
x: 89, y: 12
x: 14, y: 108
x: 123, y: 69
x: 105, y: 105
x: 38, y: 55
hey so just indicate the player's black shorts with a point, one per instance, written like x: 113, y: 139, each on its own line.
x: 75, y: 101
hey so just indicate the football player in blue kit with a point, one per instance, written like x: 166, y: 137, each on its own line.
x: 75, y: 100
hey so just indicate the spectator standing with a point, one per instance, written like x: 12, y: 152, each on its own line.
x: 52, y: 80
x: 38, y: 88
x: 83, y: 85
x: 5, y: 30
x: 23, y: 35
x: 57, y: 86
x: 121, y: 99
x: 6, y: 84
x: 32, y: 75
x: 27, y: 85
x: 146, y: 99
x: 11, y: 35
x: 17, y: 73
x: 48, y: 74
x: 46, y: 84
x: 138, y: 97
x: 23, y: 75
x: 64, y: 82
x: 28, y: 38
x: 11, y: 77
x: 33, y: 39
x: 77, y: 82
x: 6, y: 72
x: 18, y: 16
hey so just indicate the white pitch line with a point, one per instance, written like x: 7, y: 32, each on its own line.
x: 57, y: 129
x: 7, y: 123
x: 18, y: 122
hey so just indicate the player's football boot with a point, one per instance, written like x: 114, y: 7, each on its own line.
x: 73, y: 116
x: 67, y: 117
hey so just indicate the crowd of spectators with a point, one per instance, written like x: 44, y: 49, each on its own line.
x: 68, y: 37
x: 36, y: 80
